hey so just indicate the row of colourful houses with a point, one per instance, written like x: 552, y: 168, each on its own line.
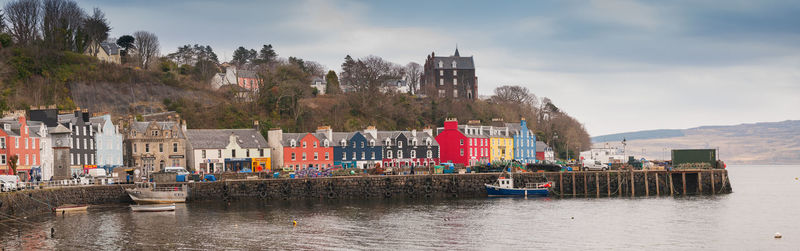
x: 474, y: 143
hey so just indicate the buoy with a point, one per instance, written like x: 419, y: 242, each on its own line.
x: 294, y: 223
x: 778, y: 235
x: 573, y: 217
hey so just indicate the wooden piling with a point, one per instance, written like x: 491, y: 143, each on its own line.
x: 713, y: 190
x: 608, y: 183
x: 574, y: 191
x: 561, y: 183
x: 671, y: 185
x: 633, y: 188
x: 619, y: 183
x: 658, y: 193
x: 597, y: 183
x: 585, y: 184
x: 683, y: 177
x: 699, y: 183
x: 646, y: 185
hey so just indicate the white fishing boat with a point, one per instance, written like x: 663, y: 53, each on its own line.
x: 153, y: 208
x: 149, y: 193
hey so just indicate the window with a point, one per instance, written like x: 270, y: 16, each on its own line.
x: 441, y: 81
x: 344, y: 156
x: 400, y: 144
x: 441, y: 64
x: 413, y: 154
x: 327, y: 144
x: 327, y: 156
x: 91, y: 144
x: 26, y: 160
x: 353, y: 143
x: 462, y: 151
x: 2, y: 159
x: 84, y: 130
x: 247, y: 153
x: 441, y: 93
x: 72, y: 159
x: 292, y: 143
x: 147, y: 148
x: 455, y: 72
x: 315, y: 144
x: 33, y: 162
x: 134, y: 148
x: 371, y: 142
x: 399, y: 154
x: 154, y: 133
x: 174, y: 147
x: 454, y: 64
x: 363, y: 155
x: 316, y: 156
x: 304, y: 144
x: 343, y: 142
x: 26, y: 143
x: 362, y: 144
x: 373, y: 155
x: 85, y: 145
x: 388, y: 142
x: 2, y: 143
x: 91, y: 159
x: 261, y: 152
x: 219, y: 154
x: 462, y: 142
x: 293, y: 156
x: 388, y: 154
x: 203, y: 153
x: 455, y: 81
x: 455, y: 93
x: 233, y: 153
x: 85, y: 159
x: 354, y: 156
x: 304, y: 156
x: 161, y: 147
x: 441, y: 72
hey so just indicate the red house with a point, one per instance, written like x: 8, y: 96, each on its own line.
x: 462, y: 144
x: 307, y: 150
x: 16, y: 139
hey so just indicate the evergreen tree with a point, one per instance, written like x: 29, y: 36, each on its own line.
x: 332, y: 83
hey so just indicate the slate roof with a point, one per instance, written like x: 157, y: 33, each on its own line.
x: 141, y: 126
x: 421, y: 135
x: 247, y: 74
x: 541, y: 146
x: 462, y: 129
x: 59, y: 129
x: 219, y: 138
x: 462, y: 63
x: 288, y: 137
x: 514, y: 128
x: 110, y: 48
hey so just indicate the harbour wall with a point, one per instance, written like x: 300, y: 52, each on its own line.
x: 565, y: 185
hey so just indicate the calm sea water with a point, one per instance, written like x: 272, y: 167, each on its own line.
x: 765, y: 201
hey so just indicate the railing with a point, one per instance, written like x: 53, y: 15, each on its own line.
x: 8, y: 187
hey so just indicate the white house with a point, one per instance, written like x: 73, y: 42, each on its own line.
x: 319, y: 84
x: 225, y: 78
x: 227, y: 150
x: 45, y: 148
x: 108, y: 142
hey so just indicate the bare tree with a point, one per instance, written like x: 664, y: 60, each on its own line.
x: 147, y: 47
x: 23, y: 15
x: 62, y: 21
x: 413, y: 72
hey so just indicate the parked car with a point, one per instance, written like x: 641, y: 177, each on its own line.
x: 9, y: 183
x: 176, y: 169
x: 594, y: 165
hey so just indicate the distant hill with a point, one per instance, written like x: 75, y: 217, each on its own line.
x: 755, y: 143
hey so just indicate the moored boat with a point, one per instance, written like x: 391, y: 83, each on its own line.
x: 70, y: 208
x: 148, y: 193
x: 153, y: 208
x: 504, y: 186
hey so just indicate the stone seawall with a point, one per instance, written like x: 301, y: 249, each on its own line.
x: 565, y: 185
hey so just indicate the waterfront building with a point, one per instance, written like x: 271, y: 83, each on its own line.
x: 450, y: 77
x: 45, y: 170
x: 524, y: 142
x: 153, y: 145
x: 227, y: 150
x: 302, y: 150
x: 61, y: 140
x: 463, y: 144
x: 108, y: 141
x: 605, y: 155
x: 501, y: 143
x: 83, y: 150
x: 356, y: 149
x: 16, y: 139
x: 544, y: 152
x: 408, y: 148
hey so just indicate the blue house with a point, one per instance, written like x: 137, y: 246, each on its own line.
x: 108, y: 142
x: 524, y: 142
x: 355, y: 150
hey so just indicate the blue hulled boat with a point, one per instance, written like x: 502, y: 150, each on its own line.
x: 504, y: 186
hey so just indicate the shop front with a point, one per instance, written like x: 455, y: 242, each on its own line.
x: 238, y: 164
x: 210, y: 166
x: 261, y: 164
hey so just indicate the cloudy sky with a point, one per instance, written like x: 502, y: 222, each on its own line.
x: 617, y: 66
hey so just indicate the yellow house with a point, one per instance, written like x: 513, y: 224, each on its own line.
x: 106, y: 52
x: 501, y: 143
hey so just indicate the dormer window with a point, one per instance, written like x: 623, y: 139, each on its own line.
x: 372, y: 142
x: 326, y: 143
x: 428, y: 141
x: 454, y: 64
x: 388, y: 142
x: 343, y: 143
x: 315, y: 144
x: 399, y: 143
x: 293, y: 143
x: 441, y: 65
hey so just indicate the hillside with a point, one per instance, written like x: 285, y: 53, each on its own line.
x: 756, y: 143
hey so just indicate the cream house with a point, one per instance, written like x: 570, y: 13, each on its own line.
x: 227, y: 150
x: 106, y: 52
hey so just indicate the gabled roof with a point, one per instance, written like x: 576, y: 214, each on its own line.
x: 59, y: 129
x: 541, y: 146
x: 219, y: 138
x: 247, y: 74
x: 110, y: 48
x: 462, y: 63
x: 288, y: 137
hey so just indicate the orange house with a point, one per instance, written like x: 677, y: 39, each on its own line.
x: 307, y: 150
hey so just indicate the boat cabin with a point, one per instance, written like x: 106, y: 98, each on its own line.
x: 505, y: 182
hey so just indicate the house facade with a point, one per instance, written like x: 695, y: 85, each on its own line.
x: 108, y: 142
x: 462, y: 144
x: 319, y: 84
x: 450, y: 77
x: 16, y: 139
x: 544, y: 152
x: 303, y: 150
x: 248, y: 79
x: 106, y: 52
x: 45, y: 171
x: 83, y: 150
x: 409, y: 148
x: 524, y: 142
x: 501, y: 143
x: 153, y: 145
x: 227, y: 150
x: 356, y: 150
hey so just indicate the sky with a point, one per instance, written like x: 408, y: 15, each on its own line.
x: 617, y: 66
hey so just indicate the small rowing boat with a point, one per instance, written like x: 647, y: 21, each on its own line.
x: 152, y: 208
x: 70, y: 208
